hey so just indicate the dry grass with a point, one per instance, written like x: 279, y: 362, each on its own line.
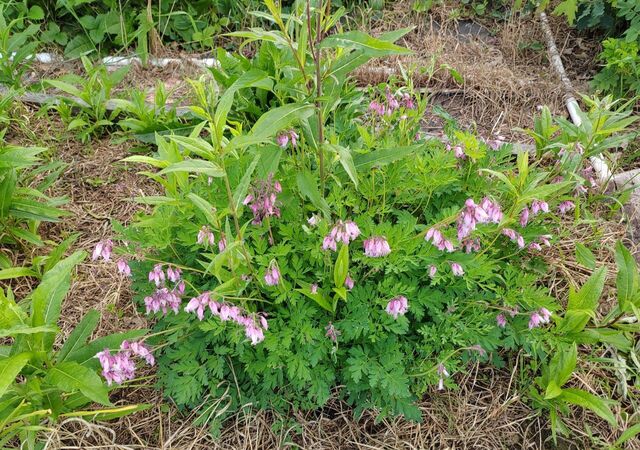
x: 505, y: 77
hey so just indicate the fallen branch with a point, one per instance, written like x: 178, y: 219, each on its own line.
x: 599, y: 165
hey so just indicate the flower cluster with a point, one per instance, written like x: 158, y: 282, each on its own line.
x: 514, y: 236
x: 272, y: 276
x: 103, y: 250
x: 263, y: 199
x: 120, y: 367
x: 457, y: 269
x: 205, y: 236
x: 566, y: 206
x: 284, y: 137
x: 123, y: 267
x: 332, y: 332
x: 341, y: 232
x: 487, y: 211
x: 376, y: 246
x: 397, y: 306
x: 392, y: 103
x: 254, y: 324
x: 165, y: 299
x: 540, y: 317
x: 437, y: 238
x: 457, y: 151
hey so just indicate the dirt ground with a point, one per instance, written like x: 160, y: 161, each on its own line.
x: 505, y: 80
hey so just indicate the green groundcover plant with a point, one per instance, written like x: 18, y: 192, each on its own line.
x: 312, y: 241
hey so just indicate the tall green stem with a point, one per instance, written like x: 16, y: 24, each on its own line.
x: 316, y: 53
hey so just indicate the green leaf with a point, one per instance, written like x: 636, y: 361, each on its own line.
x: 553, y: 390
x: 589, y: 401
x: 46, y: 299
x: 109, y: 414
x: 588, y: 296
x: 252, y: 78
x: 563, y: 363
x: 585, y: 257
x: 207, y: 208
x: 16, y: 272
x: 362, y: 41
x: 627, y: 281
x: 147, y: 160
x: 70, y: 377
x: 318, y: 297
x: 279, y: 118
x: 10, y: 368
x: 309, y: 189
x: 344, y: 154
x: 195, y: 166
x: 26, y: 329
x: 79, y: 335
x: 8, y: 183
x: 341, y: 269
x: 568, y: 8
x: 241, y: 190
x: 379, y: 158
x: 629, y: 433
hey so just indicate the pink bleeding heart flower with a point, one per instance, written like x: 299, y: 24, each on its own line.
x: 272, y: 276
x: 457, y: 269
x: 376, y: 247
x: 397, y: 306
x: 123, y: 267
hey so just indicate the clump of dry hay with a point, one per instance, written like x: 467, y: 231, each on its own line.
x: 504, y: 82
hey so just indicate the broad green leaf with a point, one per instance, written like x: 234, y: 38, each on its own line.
x: 585, y: 257
x: 66, y: 87
x: 46, y: 299
x: 269, y: 160
x: 318, y: 297
x: 78, y: 337
x: 70, y: 377
x: 563, y: 363
x: 252, y: 78
x: 309, y: 189
x: 26, y: 329
x: 10, y: 313
x: 627, y: 281
x: 344, y: 154
x: 629, y: 433
x: 553, y: 390
x: 195, y: 166
x: 16, y: 272
x: 365, y: 42
x: 341, y: 269
x: 241, y: 190
x: 10, y: 368
x: 589, y: 401
x: 195, y: 145
x: 588, y: 296
x: 379, y: 158
x: 147, y: 160
x: 277, y: 119
x: 207, y: 208
x: 109, y: 414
